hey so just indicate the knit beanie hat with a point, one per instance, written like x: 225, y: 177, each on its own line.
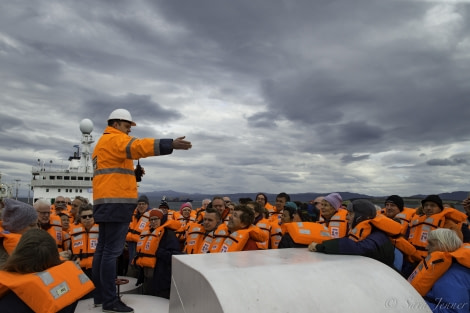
x: 17, y: 215
x: 362, y: 208
x: 184, y: 205
x: 156, y: 212
x: 334, y: 199
x: 433, y: 198
x: 143, y: 198
x: 397, y: 200
x: 290, y: 204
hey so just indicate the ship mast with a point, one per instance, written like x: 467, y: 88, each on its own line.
x: 86, y: 164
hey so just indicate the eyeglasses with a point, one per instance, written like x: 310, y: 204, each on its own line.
x: 69, y: 203
x: 59, y: 202
x: 227, y: 201
x: 44, y: 213
x: 141, y: 203
x: 87, y: 216
x: 152, y: 219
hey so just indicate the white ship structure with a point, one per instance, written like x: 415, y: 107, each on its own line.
x: 75, y: 179
x: 5, y: 189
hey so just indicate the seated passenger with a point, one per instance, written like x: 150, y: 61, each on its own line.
x: 333, y: 216
x: 17, y: 218
x: 443, y: 278
x: 34, y: 279
x: 368, y: 235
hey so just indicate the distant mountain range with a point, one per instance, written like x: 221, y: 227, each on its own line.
x: 303, y: 197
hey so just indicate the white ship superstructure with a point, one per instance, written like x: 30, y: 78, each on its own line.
x: 75, y: 179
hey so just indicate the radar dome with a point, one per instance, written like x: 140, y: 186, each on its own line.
x: 86, y: 126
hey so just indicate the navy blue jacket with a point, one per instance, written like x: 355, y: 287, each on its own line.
x: 377, y: 246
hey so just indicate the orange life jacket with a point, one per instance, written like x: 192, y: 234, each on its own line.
x: 421, y: 226
x: 84, y: 244
x: 10, y: 240
x: 338, y: 224
x: 307, y: 232
x: 194, y: 238
x: 277, y: 231
x: 137, y: 225
x: 385, y: 224
x: 237, y: 240
x: 48, y: 291
x: 113, y: 169
x: 435, y: 265
x: 148, y: 243
x: 181, y: 232
x: 61, y: 237
x: 405, y: 218
x: 218, y: 239
x: 265, y: 226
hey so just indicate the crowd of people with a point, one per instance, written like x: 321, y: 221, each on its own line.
x: 428, y: 245
x: 84, y: 247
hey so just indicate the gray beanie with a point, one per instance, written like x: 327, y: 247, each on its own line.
x: 362, y: 208
x: 17, y: 215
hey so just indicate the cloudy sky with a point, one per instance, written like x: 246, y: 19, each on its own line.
x: 297, y: 96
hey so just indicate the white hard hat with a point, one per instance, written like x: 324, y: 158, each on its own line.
x: 121, y: 114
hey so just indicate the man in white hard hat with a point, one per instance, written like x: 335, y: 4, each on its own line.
x: 115, y: 197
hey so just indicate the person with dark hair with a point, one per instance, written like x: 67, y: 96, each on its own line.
x: 262, y: 199
x: 34, y: 279
x: 157, y: 244
x: 368, y: 235
x: 243, y: 235
x: 84, y: 238
x: 200, y: 236
x: 115, y: 197
x: 139, y: 221
x: 395, y: 209
x: 281, y: 200
x: 261, y: 221
x: 299, y: 231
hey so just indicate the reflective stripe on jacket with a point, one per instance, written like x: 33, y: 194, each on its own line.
x: 84, y: 243
x: 48, y: 291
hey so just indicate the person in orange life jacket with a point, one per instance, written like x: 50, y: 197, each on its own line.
x: 241, y: 219
x: 261, y: 221
x: 333, y: 216
x: 434, y: 216
x: 65, y: 220
x: 76, y: 203
x: 199, y: 236
x: 294, y: 215
x: 136, y: 226
x: 281, y: 200
x: 34, y: 279
x: 84, y: 238
x: 115, y: 196
x: 443, y: 278
x: 53, y: 225
x: 376, y: 245
x: 17, y: 218
x: 394, y: 205
x: 167, y: 247
x: 200, y: 211
x: 262, y: 199
x: 219, y: 204
x: 185, y: 216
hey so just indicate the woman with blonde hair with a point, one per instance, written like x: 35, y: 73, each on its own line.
x: 443, y: 278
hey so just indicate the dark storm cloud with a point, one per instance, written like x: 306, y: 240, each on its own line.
x: 304, y: 94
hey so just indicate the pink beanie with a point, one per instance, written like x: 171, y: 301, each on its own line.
x: 186, y: 204
x: 334, y: 199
